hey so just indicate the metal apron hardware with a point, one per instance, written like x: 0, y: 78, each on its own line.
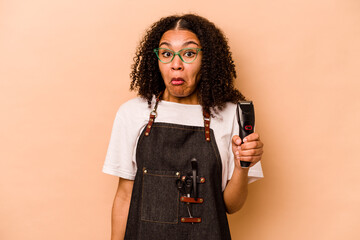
x: 177, y: 188
x: 153, y: 115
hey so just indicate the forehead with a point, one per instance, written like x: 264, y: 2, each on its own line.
x: 178, y: 37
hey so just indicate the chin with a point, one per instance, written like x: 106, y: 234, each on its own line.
x: 172, y: 91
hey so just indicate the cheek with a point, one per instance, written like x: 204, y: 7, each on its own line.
x: 162, y: 69
x: 196, y: 70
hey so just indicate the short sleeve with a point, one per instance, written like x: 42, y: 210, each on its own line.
x: 127, y: 125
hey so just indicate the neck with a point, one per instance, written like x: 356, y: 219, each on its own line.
x: 191, y: 99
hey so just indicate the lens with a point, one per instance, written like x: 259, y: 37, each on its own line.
x: 186, y: 55
x: 165, y: 55
x: 189, y: 54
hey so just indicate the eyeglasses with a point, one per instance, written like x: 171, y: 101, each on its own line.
x: 187, y: 55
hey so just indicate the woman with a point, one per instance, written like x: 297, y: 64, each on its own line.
x: 175, y: 148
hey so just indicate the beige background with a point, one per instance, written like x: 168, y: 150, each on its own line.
x: 64, y: 71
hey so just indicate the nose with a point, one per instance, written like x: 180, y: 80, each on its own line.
x: 177, y: 64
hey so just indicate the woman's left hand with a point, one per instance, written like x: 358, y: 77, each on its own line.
x: 250, y: 151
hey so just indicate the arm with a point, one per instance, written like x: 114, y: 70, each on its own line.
x: 120, y: 209
x: 237, y: 188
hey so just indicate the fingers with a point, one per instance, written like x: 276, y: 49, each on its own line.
x: 252, y: 137
x: 252, y: 159
x: 250, y: 151
x: 249, y: 155
x: 249, y: 158
x: 236, y: 140
x: 252, y: 141
x: 252, y: 145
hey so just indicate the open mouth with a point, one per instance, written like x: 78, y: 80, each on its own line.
x: 177, y: 81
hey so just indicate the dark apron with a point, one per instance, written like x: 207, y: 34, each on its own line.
x: 163, y: 159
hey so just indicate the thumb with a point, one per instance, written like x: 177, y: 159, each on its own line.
x: 236, y: 140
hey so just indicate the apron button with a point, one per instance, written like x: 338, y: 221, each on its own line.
x: 177, y: 173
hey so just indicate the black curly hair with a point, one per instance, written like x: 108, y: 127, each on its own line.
x: 217, y: 72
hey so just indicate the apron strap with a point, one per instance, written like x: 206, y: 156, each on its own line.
x: 207, y: 125
x: 153, y: 115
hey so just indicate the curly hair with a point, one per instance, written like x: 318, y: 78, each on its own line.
x: 217, y: 71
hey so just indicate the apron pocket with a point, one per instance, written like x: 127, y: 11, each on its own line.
x: 160, y: 197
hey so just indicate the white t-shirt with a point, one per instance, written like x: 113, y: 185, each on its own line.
x: 133, y: 116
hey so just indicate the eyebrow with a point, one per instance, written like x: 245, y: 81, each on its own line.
x: 185, y: 44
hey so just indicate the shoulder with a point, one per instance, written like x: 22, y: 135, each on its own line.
x: 137, y: 102
x: 228, y: 109
x: 227, y: 113
x: 133, y: 113
x: 134, y: 107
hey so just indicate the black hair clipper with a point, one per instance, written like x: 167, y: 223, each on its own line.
x: 246, y: 119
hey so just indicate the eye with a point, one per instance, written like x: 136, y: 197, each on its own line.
x: 166, y: 53
x: 190, y: 53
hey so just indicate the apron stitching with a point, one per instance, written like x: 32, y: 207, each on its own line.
x: 186, y: 129
x: 142, y: 197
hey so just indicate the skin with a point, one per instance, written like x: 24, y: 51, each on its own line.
x: 236, y: 190
x: 120, y: 209
x: 190, y: 72
x: 251, y: 150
